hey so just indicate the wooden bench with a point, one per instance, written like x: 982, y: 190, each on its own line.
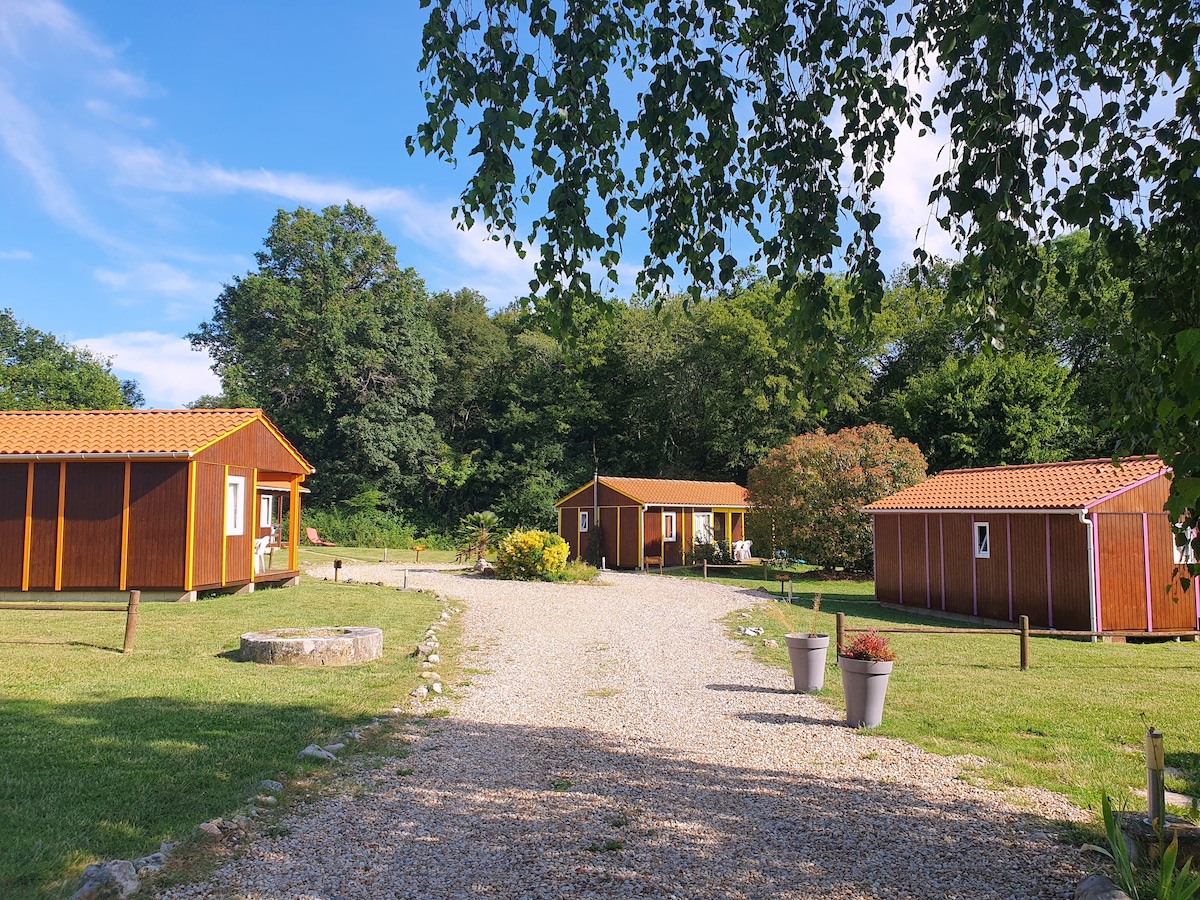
x: 654, y: 561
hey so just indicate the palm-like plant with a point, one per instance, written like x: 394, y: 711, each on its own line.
x: 475, y: 532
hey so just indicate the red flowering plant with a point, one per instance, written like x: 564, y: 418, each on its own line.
x: 871, y: 646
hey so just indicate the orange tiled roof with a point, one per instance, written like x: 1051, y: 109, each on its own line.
x: 678, y: 492
x: 124, y: 431
x: 1064, y: 485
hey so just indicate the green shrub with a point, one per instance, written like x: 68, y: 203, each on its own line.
x: 531, y: 556
x: 577, y: 571
x: 359, y: 527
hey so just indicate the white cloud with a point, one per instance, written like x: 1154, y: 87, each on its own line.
x: 904, y: 197
x: 493, y: 268
x: 16, y: 255
x: 158, y: 279
x: 169, y: 371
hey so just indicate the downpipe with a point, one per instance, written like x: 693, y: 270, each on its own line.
x: 1091, y: 556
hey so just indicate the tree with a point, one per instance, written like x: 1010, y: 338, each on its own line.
x: 332, y: 338
x: 807, y: 496
x: 987, y: 410
x: 775, y: 120
x: 38, y: 371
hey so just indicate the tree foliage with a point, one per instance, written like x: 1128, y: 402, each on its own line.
x: 807, y: 495
x: 332, y: 338
x: 38, y: 371
x: 776, y: 120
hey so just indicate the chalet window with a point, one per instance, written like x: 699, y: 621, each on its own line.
x: 266, y: 515
x: 1185, y: 555
x: 669, y: 527
x: 983, y: 541
x: 235, y: 505
x: 584, y: 516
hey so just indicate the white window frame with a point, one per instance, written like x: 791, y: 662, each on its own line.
x: 585, y: 516
x: 671, y: 531
x: 235, y: 505
x: 702, y: 527
x: 266, y: 510
x: 982, y: 535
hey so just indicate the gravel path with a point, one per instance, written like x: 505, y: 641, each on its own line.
x: 614, y: 743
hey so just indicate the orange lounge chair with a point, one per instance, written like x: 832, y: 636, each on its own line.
x: 315, y: 539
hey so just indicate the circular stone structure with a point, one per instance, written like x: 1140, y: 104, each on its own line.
x: 344, y: 646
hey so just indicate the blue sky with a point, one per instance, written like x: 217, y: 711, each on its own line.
x: 144, y: 148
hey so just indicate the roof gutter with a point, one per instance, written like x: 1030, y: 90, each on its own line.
x: 55, y: 457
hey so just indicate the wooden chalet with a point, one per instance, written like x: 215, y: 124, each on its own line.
x: 651, y: 517
x: 1074, y: 545
x: 169, y: 502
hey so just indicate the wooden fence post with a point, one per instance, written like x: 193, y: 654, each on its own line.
x: 131, y: 620
x: 764, y: 578
x: 841, y: 632
x: 1024, y: 642
x: 706, y: 568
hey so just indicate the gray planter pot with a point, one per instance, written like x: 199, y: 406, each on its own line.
x: 807, y: 653
x: 865, y: 684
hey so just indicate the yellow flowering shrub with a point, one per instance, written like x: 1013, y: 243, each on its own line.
x: 531, y: 556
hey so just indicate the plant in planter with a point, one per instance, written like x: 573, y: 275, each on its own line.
x: 807, y: 655
x: 866, y: 665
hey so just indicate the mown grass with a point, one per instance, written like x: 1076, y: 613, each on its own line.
x: 1074, y: 722
x: 400, y: 556
x: 105, y: 755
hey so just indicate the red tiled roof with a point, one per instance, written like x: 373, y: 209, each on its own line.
x: 118, y: 432
x: 679, y: 492
x: 1064, y: 485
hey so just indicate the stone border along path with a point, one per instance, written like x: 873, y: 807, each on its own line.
x: 613, y: 742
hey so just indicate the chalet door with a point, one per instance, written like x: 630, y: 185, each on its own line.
x: 703, y: 522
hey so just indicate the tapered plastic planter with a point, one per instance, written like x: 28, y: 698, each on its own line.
x: 807, y: 653
x: 865, y: 684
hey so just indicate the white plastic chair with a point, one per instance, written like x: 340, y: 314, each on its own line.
x: 262, y: 546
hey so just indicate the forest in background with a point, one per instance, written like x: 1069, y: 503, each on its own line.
x: 418, y: 408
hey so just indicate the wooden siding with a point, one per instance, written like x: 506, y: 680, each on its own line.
x: 937, y: 598
x: 887, y: 560
x: 157, y: 525
x: 651, y: 533
x: 14, y: 484
x: 44, y: 544
x: 629, y: 536
x: 959, y: 549
x: 1148, y: 497
x: 991, y: 574
x: 1029, y: 568
x: 1122, y: 571
x: 912, y: 549
x: 1069, y: 579
x: 209, y: 526
x: 253, y: 446
x: 1173, y: 608
x: 92, y: 513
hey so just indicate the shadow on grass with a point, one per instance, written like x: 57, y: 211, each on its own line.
x: 677, y: 826
x: 86, y: 781
x: 104, y: 647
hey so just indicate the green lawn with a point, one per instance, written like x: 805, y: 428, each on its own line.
x: 1074, y: 723
x: 317, y: 555
x: 104, y: 755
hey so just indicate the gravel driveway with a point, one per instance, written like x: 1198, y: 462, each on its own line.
x: 614, y: 743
